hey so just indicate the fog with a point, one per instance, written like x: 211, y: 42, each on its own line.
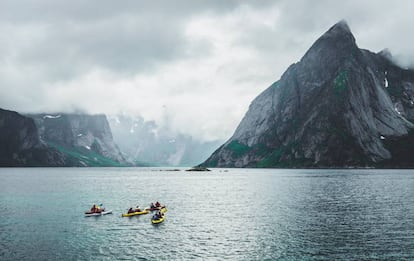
x: 192, y: 65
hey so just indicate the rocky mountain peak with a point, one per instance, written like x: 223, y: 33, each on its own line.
x: 340, y: 106
x: 340, y: 27
x: 334, y: 48
x: 339, y: 32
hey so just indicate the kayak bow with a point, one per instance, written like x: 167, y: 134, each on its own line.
x: 135, y: 213
x: 91, y: 214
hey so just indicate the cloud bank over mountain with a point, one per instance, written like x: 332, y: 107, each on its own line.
x: 194, y: 66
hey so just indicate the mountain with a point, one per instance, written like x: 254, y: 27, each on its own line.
x: 85, y: 139
x: 339, y: 106
x: 65, y: 139
x: 20, y: 144
x: 145, y: 143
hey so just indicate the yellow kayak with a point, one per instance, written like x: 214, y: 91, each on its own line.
x: 157, y: 221
x: 163, y: 210
x: 135, y: 213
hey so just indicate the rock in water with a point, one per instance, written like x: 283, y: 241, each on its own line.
x: 198, y: 169
x: 339, y: 106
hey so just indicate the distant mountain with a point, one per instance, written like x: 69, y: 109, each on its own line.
x: 145, y: 143
x: 86, y: 140
x: 20, y: 144
x: 339, y: 106
x: 63, y: 139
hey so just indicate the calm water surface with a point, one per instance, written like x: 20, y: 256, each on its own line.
x: 237, y: 214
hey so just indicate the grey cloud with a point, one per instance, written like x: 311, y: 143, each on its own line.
x: 51, y: 49
x: 67, y: 38
x: 79, y: 11
x: 121, y: 44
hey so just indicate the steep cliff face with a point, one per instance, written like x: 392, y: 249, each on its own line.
x: 86, y: 139
x: 339, y: 106
x: 20, y: 144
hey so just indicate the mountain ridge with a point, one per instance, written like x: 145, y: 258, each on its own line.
x: 20, y: 144
x: 57, y: 140
x: 339, y: 106
x: 87, y: 139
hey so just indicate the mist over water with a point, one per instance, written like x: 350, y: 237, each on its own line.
x: 240, y: 214
x: 146, y: 142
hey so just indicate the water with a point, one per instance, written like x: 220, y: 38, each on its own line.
x: 237, y: 214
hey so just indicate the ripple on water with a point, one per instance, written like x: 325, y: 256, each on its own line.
x: 237, y: 215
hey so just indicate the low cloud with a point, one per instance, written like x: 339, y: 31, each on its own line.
x: 192, y: 65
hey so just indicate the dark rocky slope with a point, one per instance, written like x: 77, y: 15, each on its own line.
x: 20, y: 144
x: 339, y: 106
x: 85, y: 139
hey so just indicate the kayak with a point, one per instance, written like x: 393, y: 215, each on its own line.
x: 157, y: 221
x: 156, y: 208
x: 135, y: 213
x: 90, y: 214
x: 163, y: 210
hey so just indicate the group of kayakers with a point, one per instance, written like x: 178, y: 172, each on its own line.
x: 153, y: 206
x: 158, y: 217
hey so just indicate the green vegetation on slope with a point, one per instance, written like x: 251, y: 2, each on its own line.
x: 339, y: 84
x: 237, y: 148
x: 272, y: 159
x: 77, y: 155
x: 283, y: 157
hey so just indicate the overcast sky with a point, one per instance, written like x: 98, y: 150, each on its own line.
x: 195, y: 65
